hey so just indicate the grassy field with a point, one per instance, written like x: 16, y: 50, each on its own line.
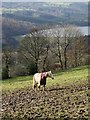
x: 62, y: 78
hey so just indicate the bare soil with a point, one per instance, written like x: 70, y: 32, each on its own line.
x: 56, y: 102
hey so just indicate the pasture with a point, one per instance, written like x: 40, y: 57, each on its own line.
x: 66, y: 97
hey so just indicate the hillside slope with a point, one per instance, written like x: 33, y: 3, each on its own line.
x: 72, y: 76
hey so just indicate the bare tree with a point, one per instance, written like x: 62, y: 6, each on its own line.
x: 67, y: 38
x: 70, y: 35
x: 45, y: 58
x: 79, y: 50
x: 57, y: 45
x: 64, y: 37
x: 33, y: 46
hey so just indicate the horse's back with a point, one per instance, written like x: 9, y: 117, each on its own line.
x: 37, y: 77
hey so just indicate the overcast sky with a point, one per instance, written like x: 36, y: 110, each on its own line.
x: 44, y: 0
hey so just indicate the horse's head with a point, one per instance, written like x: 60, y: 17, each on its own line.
x: 50, y: 74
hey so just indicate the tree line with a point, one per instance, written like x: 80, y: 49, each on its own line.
x: 42, y: 51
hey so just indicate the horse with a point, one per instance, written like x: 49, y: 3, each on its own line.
x: 40, y: 79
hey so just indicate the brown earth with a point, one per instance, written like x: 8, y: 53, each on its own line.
x: 57, y: 102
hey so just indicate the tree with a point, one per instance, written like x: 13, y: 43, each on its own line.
x: 33, y: 46
x: 67, y: 39
x: 70, y: 35
x: 5, y: 70
x: 79, y: 50
x: 7, y: 62
x: 57, y: 45
x: 64, y: 37
x: 45, y: 58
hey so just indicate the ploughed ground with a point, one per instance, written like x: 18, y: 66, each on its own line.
x: 67, y: 102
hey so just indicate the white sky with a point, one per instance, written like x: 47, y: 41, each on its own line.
x: 44, y: 0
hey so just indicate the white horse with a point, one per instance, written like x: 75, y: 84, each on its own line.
x: 40, y: 79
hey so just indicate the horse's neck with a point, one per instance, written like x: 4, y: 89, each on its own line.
x: 44, y: 74
x: 47, y: 75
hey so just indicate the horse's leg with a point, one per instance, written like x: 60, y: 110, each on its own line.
x: 39, y: 84
x: 34, y: 88
x: 39, y: 87
x: 34, y: 85
x: 43, y: 87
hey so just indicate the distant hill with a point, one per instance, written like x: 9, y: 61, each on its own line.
x: 12, y: 28
x: 42, y: 13
x: 19, y: 17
